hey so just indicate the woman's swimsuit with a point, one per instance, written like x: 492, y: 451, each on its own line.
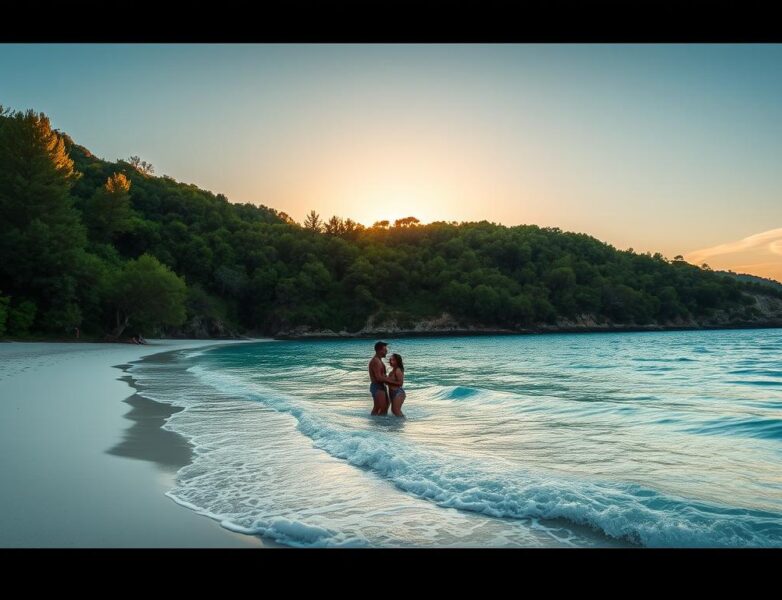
x: 396, y: 391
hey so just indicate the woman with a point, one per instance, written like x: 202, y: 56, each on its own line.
x: 395, y: 389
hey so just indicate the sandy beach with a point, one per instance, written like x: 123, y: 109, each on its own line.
x: 83, y: 460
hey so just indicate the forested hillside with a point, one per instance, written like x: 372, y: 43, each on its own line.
x: 109, y: 247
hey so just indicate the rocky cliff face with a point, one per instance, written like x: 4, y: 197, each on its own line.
x: 769, y: 306
x: 768, y: 313
x: 444, y: 324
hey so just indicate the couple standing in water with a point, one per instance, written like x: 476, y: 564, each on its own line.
x: 395, y: 379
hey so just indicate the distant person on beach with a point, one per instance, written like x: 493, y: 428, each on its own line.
x: 395, y: 389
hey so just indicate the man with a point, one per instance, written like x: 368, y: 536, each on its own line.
x: 378, y: 379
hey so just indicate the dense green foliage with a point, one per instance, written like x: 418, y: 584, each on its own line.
x: 4, y: 301
x: 41, y: 236
x: 147, y: 293
x: 104, y: 246
x: 754, y: 279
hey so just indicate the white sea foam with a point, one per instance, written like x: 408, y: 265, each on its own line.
x: 628, y: 512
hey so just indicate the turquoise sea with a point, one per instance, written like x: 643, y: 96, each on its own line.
x: 661, y: 439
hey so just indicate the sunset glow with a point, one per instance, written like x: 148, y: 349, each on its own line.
x: 760, y: 254
x: 669, y: 148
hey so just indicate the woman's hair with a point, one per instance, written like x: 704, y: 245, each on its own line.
x: 398, y: 360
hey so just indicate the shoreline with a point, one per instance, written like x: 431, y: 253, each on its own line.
x: 84, y: 461
x: 327, y: 334
x: 324, y: 334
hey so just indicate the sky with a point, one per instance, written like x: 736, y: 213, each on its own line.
x: 660, y: 148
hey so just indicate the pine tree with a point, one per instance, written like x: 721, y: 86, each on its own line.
x: 312, y: 221
x: 108, y: 212
x: 41, y: 237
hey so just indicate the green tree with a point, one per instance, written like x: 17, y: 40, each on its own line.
x: 146, y: 293
x: 334, y: 226
x: 41, y: 236
x: 486, y: 301
x: 108, y: 212
x: 522, y: 311
x: 351, y: 229
x: 286, y: 218
x: 4, y: 302
x: 312, y: 222
x: 561, y: 279
x: 406, y: 222
x: 231, y: 281
x: 20, y: 317
x: 141, y: 166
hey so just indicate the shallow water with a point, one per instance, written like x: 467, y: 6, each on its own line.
x: 654, y: 439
